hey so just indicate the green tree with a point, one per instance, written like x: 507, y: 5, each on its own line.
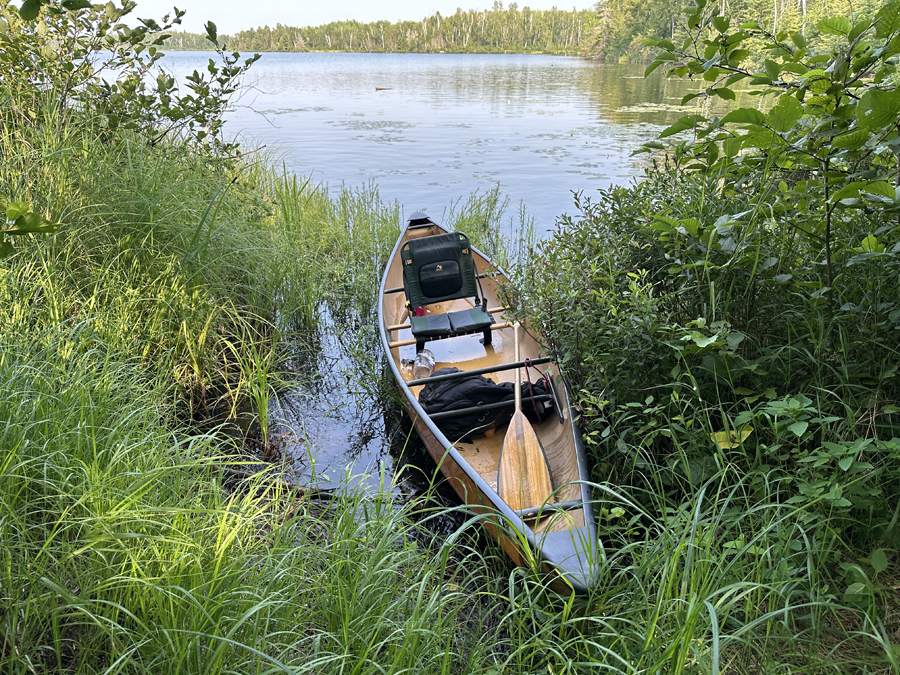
x: 87, y: 58
x: 828, y: 140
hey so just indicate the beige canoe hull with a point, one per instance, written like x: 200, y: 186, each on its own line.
x: 562, y: 541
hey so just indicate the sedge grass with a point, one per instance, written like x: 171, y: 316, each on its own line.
x: 125, y: 550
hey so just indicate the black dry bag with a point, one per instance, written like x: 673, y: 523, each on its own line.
x: 478, y: 391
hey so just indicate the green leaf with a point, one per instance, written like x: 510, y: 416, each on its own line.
x: 738, y: 55
x: 859, y: 29
x: 732, y: 146
x: 798, y: 39
x: 857, y: 588
x: 73, y: 5
x: 887, y: 20
x: 835, y: 25
x: 724, y: 93
x: 785, y: 114
x: 712, y: 74
x: 871, y: 245
x: 32, y: 222
x: 878, y: 109
x: 879, y: 560
x: 721, y: 23
x: 773, y: 70
x: 211, y: 33
x: 702, y: 340
x: 30, y: 9
x: 15, y: 210
x: 692, y: 226
x: 734, y: 339
x: 797, y: 68
x: 849, y: 190
x: 851, y: 141
x: 6, y: 248
x: 727, y: 440
x: 799, y: 428
x: 846, y: 463
x: 880, y: 188
x: 744, y: 116
x: 653, y: 66
x: 683, y: 124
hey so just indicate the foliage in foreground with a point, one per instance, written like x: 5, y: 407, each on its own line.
x: 734, y: 317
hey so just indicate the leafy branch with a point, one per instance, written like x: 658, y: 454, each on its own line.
x: 829, y: 120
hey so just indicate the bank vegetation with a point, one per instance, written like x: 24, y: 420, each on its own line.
x: 728, y: 326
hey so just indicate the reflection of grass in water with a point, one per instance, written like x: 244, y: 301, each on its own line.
x: 652, y: 108
x: 373, y: 125
x: 281, y: 111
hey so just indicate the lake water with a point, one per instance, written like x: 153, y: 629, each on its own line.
x: 429, y: 129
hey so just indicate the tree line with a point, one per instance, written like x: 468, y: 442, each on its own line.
x: 613, y: 30
x: 501, y: 29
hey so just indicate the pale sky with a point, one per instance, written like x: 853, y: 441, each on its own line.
x: 231, y: 16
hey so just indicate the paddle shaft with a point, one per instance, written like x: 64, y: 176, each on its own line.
x: 518, y: 370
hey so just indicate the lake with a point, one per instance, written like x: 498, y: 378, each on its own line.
x: 429, y: 129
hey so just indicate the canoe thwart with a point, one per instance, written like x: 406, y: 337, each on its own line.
x: 489, y: 406
x: 478, y: 371
x: 412, y: 341
x: 547, y: 509
x: 401, y: 326
x: 399, y: 289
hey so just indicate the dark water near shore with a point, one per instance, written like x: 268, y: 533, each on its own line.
x: 428, y: 130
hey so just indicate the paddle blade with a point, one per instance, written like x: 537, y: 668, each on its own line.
x: 523, y: 479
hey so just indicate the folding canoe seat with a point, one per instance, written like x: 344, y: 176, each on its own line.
x: 438, y: 269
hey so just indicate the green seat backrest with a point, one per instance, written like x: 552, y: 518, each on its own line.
x: 438, y: 268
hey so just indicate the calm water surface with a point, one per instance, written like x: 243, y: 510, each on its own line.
x: 429, y: 130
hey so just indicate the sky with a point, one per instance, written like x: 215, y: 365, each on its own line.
x: 231, y: 16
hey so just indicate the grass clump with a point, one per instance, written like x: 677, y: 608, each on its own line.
x: 125, y: 551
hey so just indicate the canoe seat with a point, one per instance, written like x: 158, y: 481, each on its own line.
x: 438, y: 269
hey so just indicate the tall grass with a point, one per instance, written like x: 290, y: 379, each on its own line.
x: 172, y: 295
x: 124, y: 552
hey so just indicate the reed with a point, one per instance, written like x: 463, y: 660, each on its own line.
x: 128, y: 545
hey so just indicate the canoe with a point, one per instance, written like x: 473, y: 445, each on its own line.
x: 556, y: 533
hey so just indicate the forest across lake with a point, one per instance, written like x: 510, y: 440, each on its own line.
x: 613, y: 30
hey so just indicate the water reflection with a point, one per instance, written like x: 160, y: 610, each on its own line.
x: 432, y: 128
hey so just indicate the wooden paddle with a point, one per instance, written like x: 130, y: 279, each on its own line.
x: 523, y: 478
